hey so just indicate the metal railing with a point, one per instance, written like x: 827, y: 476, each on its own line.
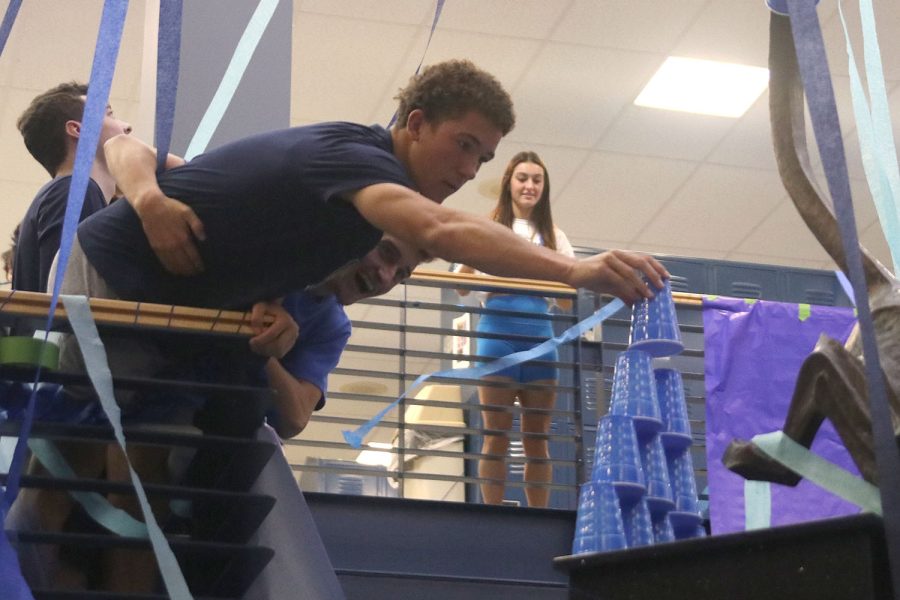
x: 430, y: 446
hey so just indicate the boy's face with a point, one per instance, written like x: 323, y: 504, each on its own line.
x: 389, y: 263
x: 110, y: 127
x: 445, y: 155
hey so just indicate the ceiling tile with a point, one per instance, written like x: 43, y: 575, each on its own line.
x: 613, y: 196
x: 728, y: 30
x: 645, y: 25
x: 749, y: 142
x: 506, y: 58
x: 567, y: 80
x: 342, y: 66
x: 531, y: 19
x: 665, y: 133
x: 716, y: 209
x: 782, y: 233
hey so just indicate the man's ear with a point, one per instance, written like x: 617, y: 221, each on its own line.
x: 415, y: 122
x: 73, y: 129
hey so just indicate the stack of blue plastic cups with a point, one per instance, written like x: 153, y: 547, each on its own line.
x: 642, y: 458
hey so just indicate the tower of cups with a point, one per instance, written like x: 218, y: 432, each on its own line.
x: 642, y: 489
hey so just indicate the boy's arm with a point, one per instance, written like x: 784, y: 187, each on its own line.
x: 171, y: 227
x: 461, y: 237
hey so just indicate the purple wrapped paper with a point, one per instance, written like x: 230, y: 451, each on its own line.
x: 752, y: 355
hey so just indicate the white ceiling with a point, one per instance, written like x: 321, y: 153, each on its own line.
x: 623, y: 176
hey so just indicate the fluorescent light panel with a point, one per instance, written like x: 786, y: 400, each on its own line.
x: 704, y: 86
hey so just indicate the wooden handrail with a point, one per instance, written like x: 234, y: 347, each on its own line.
x: 125, y: 312
x: 187, y: 318
x: 490, y: 281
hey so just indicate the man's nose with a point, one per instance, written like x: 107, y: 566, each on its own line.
x: 469, y: 168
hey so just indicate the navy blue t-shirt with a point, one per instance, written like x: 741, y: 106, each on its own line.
x: 41, y: 230
x: 272, y: 210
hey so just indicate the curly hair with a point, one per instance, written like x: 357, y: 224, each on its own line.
x: 450, y: 89
x: 541, y: 217
x: 43, y: 124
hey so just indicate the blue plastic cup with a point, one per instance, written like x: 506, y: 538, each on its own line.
x: 684, y: 486
x: 656, y: 473
x: 686, y: 525
x: 654, y: 325
x: 638, y: 524
x: 676, y: 430
x: 662, y: 529
x: 634, y: 392
x: 598, y: 526
x: 617, y: 457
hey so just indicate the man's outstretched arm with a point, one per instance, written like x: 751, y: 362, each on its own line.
x: 460, y: 237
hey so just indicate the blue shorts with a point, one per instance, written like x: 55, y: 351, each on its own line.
x: 501, y: 324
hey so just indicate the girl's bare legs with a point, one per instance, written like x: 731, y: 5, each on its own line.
x: 495, y: 445
x: 537, y: 448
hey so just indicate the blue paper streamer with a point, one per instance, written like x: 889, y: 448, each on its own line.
x: 233, y: 73
x: 168, y: 58
x: 355, y: 437
x: 813, y: 63
x: 107, y: 49
x: 12, y: 10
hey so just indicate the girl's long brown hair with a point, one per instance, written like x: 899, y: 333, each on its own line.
x: 541, y: 217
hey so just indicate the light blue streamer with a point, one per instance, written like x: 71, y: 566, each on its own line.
x: 355, y: 437
x: 232, y: 78
x: 96, y: 505
x: 757, y: 504
x: 79, y: 314
x: 873, y: 128
x: 812, y: 467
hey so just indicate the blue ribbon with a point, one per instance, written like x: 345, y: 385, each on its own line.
x: 355, y: 437
x: 12, y: 10
x: 168, y: 57
x: 813, y: 63
x: 107, y: 49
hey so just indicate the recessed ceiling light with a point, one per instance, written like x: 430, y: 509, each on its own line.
x: 704, y: 86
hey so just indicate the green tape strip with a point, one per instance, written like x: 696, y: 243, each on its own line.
x: 757, y: 504
x: 28, y: 351
x: 824, y: 474
x: 803, y: 311
x: 750, y: 301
